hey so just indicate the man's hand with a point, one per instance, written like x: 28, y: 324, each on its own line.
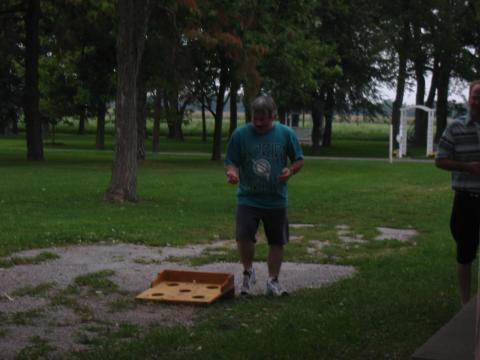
x: 232, y: 176
x: 473, y: 167
x: 288, y: 172
x: 285, y: 174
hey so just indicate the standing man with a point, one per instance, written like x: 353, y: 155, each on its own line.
x: 459, y: 152
x: 257, y: 157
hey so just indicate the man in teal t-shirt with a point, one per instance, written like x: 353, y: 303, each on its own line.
x: 258, y: 157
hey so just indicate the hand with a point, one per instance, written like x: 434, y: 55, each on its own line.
x: 232, y: 176
x: 473, y: 167
x: 285, y: 174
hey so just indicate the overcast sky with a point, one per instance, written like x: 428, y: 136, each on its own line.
x: 458, y: 92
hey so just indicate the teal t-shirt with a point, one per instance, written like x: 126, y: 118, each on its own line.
x: 260, y: 159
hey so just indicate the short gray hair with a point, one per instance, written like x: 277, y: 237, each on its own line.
x: 265, y: 105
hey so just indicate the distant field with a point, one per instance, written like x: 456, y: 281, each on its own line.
x: 350, y: 139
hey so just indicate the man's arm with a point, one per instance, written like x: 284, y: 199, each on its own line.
x: 471, y: 167
x: 232, y: 173
x: 291, y: 170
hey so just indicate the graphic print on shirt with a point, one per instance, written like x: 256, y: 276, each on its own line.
x: 262, y: 168
x: 267, y: 160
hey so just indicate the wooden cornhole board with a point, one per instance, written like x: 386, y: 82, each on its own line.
x: 189, y: 287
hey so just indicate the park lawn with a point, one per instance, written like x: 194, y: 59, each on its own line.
x: 400, y: 296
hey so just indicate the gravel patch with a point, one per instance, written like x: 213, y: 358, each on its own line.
x: 64, y: 318
x: 301, y: 226
x: 402, y: 235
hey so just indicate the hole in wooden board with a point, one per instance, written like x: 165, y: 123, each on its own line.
x: 185, y: 290
x: 172, y: 284
x: 198, y: 297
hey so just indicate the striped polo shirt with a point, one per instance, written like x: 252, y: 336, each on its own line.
x: 461, y: 141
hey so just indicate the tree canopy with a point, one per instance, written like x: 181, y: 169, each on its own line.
x: 60, y: 59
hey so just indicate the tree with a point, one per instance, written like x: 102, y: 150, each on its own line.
x: 169, y: 62
x: 453, y: 20
x: 294, y: 55
x: 130, y: 44
x: 224, y: 55
x: 81, y: 43
x: 421, y: 55
x: 168, y: 66
x: 31, y: 97
x: 11, y: 77
x: 351, y: 43
x: 157, y: 115
x: 401, y: 45
x: 141, y: 114
x: 213, y: 39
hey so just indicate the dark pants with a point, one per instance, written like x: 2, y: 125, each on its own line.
x: 464, y: 225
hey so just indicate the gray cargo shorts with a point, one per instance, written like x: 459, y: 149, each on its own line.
x: 275, y: 223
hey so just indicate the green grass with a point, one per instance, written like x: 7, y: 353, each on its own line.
x: 35, y: 291
x: 25, y: 317
x: 38, y: 349
x: 401, y: 294
x: 122, y: 304
x: 68, y: 297
x: 97, y: 281
x: 24, y: 260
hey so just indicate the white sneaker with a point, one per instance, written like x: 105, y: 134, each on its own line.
x: 248, y: 282
x: 274, y: 288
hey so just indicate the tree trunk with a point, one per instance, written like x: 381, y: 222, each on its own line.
x: 81, y: 122
x: 177, y: 116
x: 174, y: 116
x: 169, y: 117
x: 100, y: 138
x: 53, y: 134
x: 217, y: 132
x: 282, y: 114
x: 15, y: 125
x: 401, y: 79
x: 233, y: 107
x: 204, y: 124
x: 295, y: 119
x: 178, y: 126
x: 329, y: 107
x: 433, y: 85
x: 247, y: 101
x: 157, y: 114
x: 45, y: 125
x: 419, y: 60
x: 421, y: 117
x: 130, y: 43
x: 31, y: 111
x: 141, y: 115
x: 442, y: 98
x: 318, y: 109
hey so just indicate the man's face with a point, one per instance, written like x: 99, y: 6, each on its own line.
x: 474, y: 100
x: 262, y: 121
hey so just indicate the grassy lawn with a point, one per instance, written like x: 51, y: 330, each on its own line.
x: 401, y: 294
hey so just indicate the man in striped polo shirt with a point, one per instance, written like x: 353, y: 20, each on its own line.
x: 459, y: 152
